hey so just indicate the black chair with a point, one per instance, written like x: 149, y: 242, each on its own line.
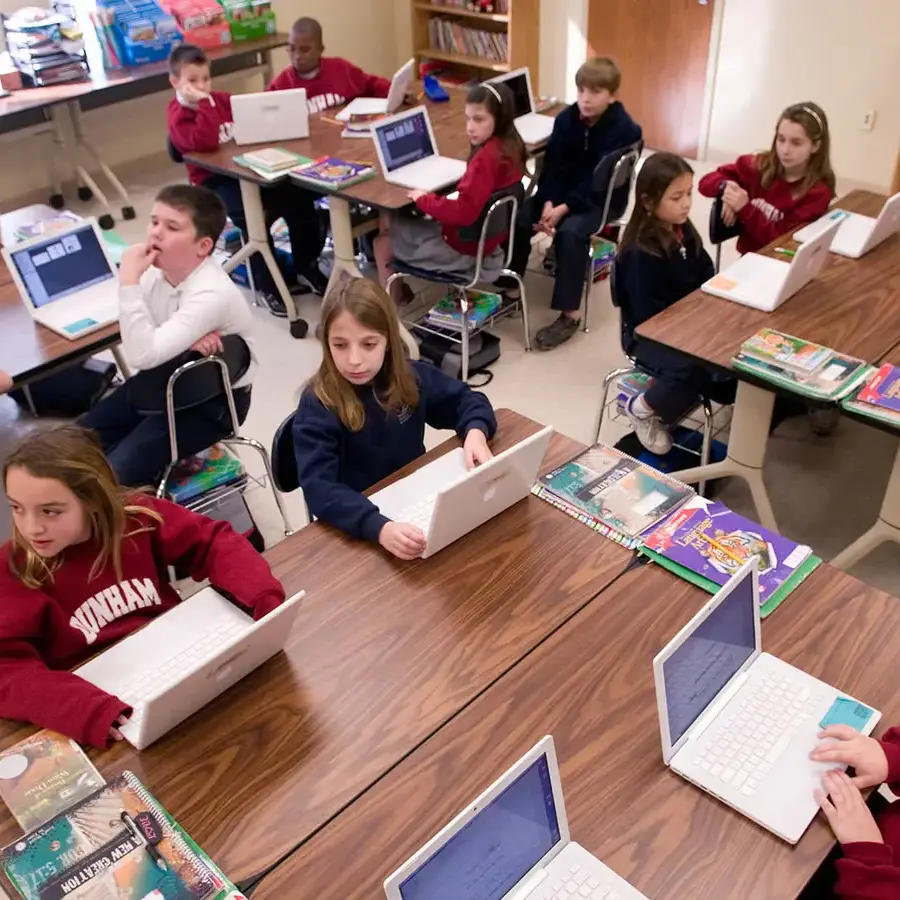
x: 719, y: 232
x: 284, y: 460
x: 174, y: 152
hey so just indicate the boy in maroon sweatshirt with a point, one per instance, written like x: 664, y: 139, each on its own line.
x: 198, y: 120
x: 329, y: 81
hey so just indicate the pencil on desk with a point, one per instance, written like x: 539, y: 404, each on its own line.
x: 332, y: 121
x: 721, y: 548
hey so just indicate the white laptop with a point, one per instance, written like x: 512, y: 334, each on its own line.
x: 446, y: 501
x: 183, y: 660
x: 533, y: 128
x: 67, y: 279
x: 511, y: 842
x: 857, y: 234
x: 407, y: 152
x: 740, y: 723
x: 765, y: 283
x: 270, y: 116
x: 373, y: 106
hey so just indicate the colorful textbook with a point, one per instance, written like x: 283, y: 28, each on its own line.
x: 332, y: 174
x: 118, y: 844
x: 612, y: 493
x: 705, y: 543
x: 446, y: 313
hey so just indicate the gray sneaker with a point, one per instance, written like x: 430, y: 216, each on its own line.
x: 558, y: 332
x: 650, y: 431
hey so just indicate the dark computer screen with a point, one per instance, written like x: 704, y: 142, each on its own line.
x: 405, y: 142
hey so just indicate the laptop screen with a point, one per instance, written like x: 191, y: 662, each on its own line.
x: 62, y: 265
x: 695, y: 673
x: 519, y: 87
x: 405, y: 142
x: 497, y: 847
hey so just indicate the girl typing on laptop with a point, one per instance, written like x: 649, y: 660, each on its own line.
x: 363, y: 416
x: 87, y: 565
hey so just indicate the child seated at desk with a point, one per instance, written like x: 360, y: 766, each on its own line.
x: 363, y: 416
x: 173, y: 297
x: 199, y: 119
x: 86, y: 565
x: 779, y: 191
x: 329, y: 81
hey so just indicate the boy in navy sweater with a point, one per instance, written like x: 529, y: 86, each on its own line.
x: 563, y: 206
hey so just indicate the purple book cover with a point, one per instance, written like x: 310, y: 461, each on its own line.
x: 711, y: 540
x: 883, y: 389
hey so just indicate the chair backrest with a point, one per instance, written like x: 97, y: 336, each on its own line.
x: 497, y: 220
x: 173, y: 151
x: 719, y: 232
x: 612, y: 181
x: 284, y: 462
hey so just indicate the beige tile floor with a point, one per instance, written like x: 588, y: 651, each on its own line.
x: 826, y: 491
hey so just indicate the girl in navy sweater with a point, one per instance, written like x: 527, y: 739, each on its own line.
x: 660, y: 260
x: 443, y: 242
x: 364, y: 413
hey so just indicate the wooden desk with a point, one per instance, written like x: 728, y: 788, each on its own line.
x: 383, y: 653
x: 590, y: 685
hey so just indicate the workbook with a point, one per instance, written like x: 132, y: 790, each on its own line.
x: 446, y: 313
x: 705, y: 543
x: 43, y: 775
x: 271, y: 163
x: 117, y: 844
x: 331, y: 173
x: 883, y: 389
x: 785, y: 350
x: 612, y: 493
x: 835, y: 379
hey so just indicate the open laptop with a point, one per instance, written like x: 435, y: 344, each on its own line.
x: 67, y: 279
x: 183, y: 660
x: 373, y: 106
x: 533, y: 128
x: 270, y: 116
x: 765, y: 283
x: 740, y: 723
x: 446, y: 501
x: 511, y: 842
x: 857, y: 234
x: 407, y: 152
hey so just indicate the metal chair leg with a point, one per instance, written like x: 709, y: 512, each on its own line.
x: 586, y: 299
x: 464, y: 333
x: 608, y: 380
x: 706, y: 447
x: 523, y: 304
x: 241, y: 441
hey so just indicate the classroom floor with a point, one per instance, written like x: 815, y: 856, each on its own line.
x: 825, y: 491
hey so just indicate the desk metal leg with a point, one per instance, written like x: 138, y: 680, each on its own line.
x: 749, y: 434
x: 120, y: 361
x: 887, y: 528
x: 258, y: 242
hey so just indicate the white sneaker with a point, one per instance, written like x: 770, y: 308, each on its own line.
x: 650, y: 431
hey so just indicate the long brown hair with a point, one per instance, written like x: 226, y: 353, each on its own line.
x: 644, y: 229
x: 811, y: 117
x: 72, y: 455
x: 498, y: 100
x: 371, y: 306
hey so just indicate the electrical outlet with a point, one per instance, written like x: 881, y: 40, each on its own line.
x: 868, y: 120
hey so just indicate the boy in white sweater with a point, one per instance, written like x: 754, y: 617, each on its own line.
x: 173, y: 298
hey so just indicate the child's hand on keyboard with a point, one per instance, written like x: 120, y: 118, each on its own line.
x: 114, y: 732
x: 850, y: 819
x: 850, y: 748
x: 402, y: 540
x: 476, y: 448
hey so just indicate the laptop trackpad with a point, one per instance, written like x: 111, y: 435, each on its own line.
x: 408, y: 492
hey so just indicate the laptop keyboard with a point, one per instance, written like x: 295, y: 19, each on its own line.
x: 580, y: 884
x: 749, y: 742
x: 419, y: 514
x: 151, y: 682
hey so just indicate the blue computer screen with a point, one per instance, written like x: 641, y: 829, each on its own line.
x: 405, y: 142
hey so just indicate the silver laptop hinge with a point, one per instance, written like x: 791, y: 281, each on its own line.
x: 717, y: 706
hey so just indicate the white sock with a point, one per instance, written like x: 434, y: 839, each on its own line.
x: 640, y: 409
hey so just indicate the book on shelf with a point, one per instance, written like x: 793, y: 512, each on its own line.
x: 118, y: 844
x: 332, y: 174
x: 705, y: 543
x: 446, y: 313
x: 43, y: 775
x: 837, y: 378
x: 612, y: 493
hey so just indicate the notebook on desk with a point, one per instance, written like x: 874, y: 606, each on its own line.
x: 765, y: 283
x: 533, y: 127
x: 67, y: 279
x: 374, y: 106
x: 740, y: 723
x: 857, y: 234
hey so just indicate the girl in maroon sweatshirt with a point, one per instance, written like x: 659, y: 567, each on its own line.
x: 777, y: 192
x: 444, y: 243
x: 87, y: 565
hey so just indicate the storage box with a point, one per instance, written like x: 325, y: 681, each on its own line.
x: 139, y: 32
x: 249, y: 20
x: 201, y: 22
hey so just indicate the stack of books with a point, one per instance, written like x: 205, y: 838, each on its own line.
x: 629, y: 386
x: 800, y: 366
x: 359, y: 125
x: 705, y: 543
x: 879, y: 397
x: 271, y: 163
x: 59, y: 221
x: 447, y: 314
x: 46, y: 47
x: 613, y: 493
x: 198, y: 475
x: 602, y: 256
x: 332, y: 174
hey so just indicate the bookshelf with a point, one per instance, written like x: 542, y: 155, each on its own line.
x: 478, y: 44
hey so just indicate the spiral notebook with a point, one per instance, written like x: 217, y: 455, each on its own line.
x: 118, y: 844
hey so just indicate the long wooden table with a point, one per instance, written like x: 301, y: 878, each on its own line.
x: 590, y: 685
x: 382, y: 655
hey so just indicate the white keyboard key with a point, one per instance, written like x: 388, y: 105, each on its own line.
x: 727, y: 775
x: 739, y: 778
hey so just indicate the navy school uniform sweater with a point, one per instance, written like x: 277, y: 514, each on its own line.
x: 574, y: 150
x: 335, y: 465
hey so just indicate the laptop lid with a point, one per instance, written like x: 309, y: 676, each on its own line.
x: 886, y: 224
x: 717, y: 646
x: 270, y: 116
x: 512, y: 830
x: 404, y: 139
x: 400, y: 85
x: 807, y: 262
x: 519, y: 83
x: 49, y: 268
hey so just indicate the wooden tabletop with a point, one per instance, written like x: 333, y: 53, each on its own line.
x: 590, y: 685
x: 852, y: 306
x: 383, y: 653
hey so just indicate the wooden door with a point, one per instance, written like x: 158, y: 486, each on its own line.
x: 662, y: 47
